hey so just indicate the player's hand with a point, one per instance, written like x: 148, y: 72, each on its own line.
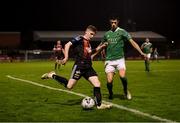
x: 104, y: 44
x: 143, y: 54
x: 64, y: 61
x: 101, y: 46
x: 92, y: 57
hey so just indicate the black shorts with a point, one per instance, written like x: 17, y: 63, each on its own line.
x: 78, y: 72
x: 59, y: 56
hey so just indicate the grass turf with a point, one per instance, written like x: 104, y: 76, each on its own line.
x: 156, y: 93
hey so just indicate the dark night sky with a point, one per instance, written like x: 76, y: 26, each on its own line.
x: 160, y: 16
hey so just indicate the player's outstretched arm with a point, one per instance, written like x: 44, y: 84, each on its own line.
x: 142, y: 46
x: 63, y: 51
x: 136, y: 46
x: 66, y: 52
x: 98, y: 49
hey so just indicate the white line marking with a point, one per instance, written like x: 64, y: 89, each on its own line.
x: 154, y: 71
x: 82, y: 95
x: 151, y: 71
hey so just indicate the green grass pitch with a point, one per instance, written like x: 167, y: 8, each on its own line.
x: 155, y: 93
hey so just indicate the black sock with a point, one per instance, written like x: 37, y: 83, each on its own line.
x: 97, y: 95
x: 59, y: 66
x: 55, y: 66
x: 124, y: 82
x: 110, y: 86
x: 61, y: 80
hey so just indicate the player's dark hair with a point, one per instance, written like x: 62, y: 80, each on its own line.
x: 114, y: 17
x: 92, y: 28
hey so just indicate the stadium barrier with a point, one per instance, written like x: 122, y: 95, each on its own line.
x: 28, y: 55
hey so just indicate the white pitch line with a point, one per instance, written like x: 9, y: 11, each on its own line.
x: 152, y: 71
x: 82, y: 95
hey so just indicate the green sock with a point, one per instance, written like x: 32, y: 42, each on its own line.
x: 148, y: 64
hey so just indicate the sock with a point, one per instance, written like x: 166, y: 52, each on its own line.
x: 146, y: 65
x: 59, y: 66
x: 110, y: 86
x: 61, y: 80
x: 97, y: 95
x: 124, y: 82
x: 55, y: 66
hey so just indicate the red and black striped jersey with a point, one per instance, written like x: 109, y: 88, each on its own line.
x: 82, y: 51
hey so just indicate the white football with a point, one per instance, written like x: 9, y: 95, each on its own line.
x: 87, y: 103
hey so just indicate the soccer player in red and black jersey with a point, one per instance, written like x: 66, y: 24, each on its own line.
x: 82, y: 66
x: 59, y: 54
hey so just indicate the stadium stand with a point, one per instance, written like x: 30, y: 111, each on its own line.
x: 48, y: 37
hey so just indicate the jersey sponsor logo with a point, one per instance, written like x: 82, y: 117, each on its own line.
x: 77, y: 74
x: 114, y: 40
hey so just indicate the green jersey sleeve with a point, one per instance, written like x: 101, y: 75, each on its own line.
x: 126, y: 35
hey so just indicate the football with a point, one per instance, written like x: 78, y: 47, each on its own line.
x: 87, y: 103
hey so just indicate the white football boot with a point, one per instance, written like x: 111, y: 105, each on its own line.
x: 48, y: 75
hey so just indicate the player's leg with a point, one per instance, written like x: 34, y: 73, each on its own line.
x: 124, y: 83
x: 148, y: 62
x: 97, y: 93
x: 75, y: 75
x: 53, y: 75
x: 59, y: 61
x: 109, y: 69
x: 71, y: 83
x: 67, y: 84
x: 59, y: 64
x: 56, y: 63
x: 145, y: 63
x: 156, y: 58
x: 91, y: 76
x: 110, y: 76
x: 122, y: 73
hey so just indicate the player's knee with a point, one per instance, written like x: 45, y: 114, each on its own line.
x: 110, y: 80
x: 122, y: 73
x: 69, y: 87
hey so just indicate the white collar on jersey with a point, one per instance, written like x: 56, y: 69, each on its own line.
x: 116, y: 29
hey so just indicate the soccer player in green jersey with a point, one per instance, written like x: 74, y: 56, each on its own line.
x: 147, y: 49
x: 116, y: 37
x: 155, y: 55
